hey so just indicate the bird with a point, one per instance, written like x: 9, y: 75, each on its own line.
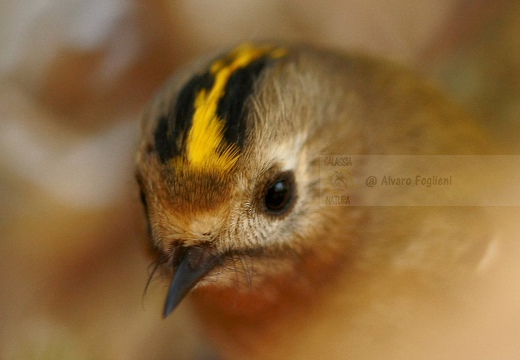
x: 231, y: 167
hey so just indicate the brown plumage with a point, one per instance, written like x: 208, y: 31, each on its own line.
x: 273, y: 272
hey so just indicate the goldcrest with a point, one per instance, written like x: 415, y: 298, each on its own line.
x: 229, y: 171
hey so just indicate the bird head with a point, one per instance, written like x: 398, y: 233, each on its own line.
x: 228, y: 168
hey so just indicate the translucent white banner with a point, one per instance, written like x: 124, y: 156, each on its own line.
x: 420, y: 180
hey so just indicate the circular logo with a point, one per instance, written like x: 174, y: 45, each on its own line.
x: 341, y: 180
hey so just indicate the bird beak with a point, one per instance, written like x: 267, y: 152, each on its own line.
x: 190, y: 265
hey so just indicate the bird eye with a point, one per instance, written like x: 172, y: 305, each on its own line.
x: 279, y: 194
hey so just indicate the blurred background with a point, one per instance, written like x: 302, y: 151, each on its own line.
x: 75, y: 76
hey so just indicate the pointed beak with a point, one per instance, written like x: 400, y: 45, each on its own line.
x: 190, y: 265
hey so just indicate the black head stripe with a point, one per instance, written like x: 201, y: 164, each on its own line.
x: 231, y: 107
x: 164, y: 144
x: 171, y: 132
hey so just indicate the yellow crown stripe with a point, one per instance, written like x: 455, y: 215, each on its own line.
x: 206, y: 146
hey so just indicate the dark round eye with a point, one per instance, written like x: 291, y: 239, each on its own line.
x: 279, y: 194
